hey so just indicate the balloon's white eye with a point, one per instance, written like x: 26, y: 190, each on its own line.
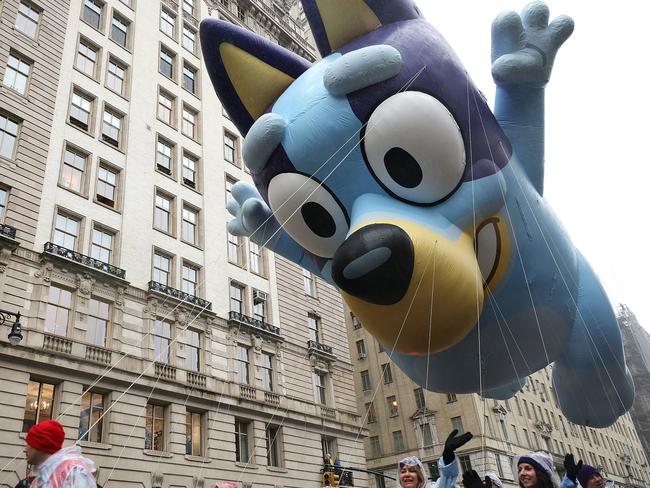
x: 309, y: 213
x: 414, y: 148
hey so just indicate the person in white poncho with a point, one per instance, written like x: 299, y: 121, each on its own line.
x: 56, y: 466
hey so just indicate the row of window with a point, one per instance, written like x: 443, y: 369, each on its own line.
x: 93, y: 13
x: 39, y: 406
x: 366, y: 383
x: 169, y: 27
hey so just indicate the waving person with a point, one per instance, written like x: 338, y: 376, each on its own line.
x: 411, y: 470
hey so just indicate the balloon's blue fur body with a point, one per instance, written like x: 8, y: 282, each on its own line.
x: 312, y: 154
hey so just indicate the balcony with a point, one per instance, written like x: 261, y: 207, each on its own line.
x: 57, y: 343
x: 320, y: 350
x: 254, y: 326
x: 7, y: 231
x: 180, y: 295
x: 247, y: 392
x: 165, y: 371
x: 196, y: 379
x: 272, y: 398
x: 98, y: 355
x: 75, y: 257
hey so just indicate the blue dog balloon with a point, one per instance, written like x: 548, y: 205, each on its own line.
x: 382, y: 169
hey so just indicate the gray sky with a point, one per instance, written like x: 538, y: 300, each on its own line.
x: 597, y: 112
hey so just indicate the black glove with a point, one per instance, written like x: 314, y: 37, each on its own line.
x: 471, y: 479
x: 571, y: 467
x: 488, y: 482
x: 452, y: 443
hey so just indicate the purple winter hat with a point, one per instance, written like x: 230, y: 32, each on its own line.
x: 585, y: 474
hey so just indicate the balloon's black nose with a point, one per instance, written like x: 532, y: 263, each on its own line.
x: 375, y: 264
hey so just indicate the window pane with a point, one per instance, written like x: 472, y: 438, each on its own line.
x: 3, y: 203
x: 106, y: 185
x: 161, y: 341
x: 90, y: 417
x: 119, y: 30
x: 27, y: 19
x: 17, y: 73
x: 166, y: 63
x: 66, y: 231
x: 86, y: 58
x: 8, y: 134
x: 167, y: 22
x: 98, y: 316
x: 189, y: 170
x: 189, y: 39
x: 39, y: 403
x: 242, y: 364
x: 92, y: 12
x: 58, y: 311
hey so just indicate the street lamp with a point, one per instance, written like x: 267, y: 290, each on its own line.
x: 15, y: 336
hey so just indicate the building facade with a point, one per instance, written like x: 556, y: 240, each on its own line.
x: 404, y: 419
x: 637, y: 352
x: 176, y: 354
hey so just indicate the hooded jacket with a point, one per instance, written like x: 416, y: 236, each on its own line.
x: 448, y: 472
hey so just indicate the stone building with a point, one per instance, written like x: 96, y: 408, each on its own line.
x: 177, y: 354
x: 403, y: 419
x: 637, y: 352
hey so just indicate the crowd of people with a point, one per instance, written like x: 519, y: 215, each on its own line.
x: 534, y: 470
x: 64, y: 467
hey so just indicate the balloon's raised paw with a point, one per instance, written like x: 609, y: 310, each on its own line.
x: 252, y: 216
x: 524, y: 47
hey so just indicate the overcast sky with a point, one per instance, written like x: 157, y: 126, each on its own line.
x: 597, y: 113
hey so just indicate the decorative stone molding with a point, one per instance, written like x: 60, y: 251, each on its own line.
x: 5, y: 256
x: 156, y: 480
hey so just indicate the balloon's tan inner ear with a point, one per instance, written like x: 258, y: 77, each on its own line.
x: 257, y: 83
x: 346, y: 19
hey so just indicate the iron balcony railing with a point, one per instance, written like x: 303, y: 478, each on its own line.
x: 7, y: 231
x: 320, y: 348
x: 254, y: 324
x: 180, y: 295
x: 77, y: 257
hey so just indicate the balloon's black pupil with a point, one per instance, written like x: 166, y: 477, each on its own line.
x: 318, y: 219
x: 403, y: 168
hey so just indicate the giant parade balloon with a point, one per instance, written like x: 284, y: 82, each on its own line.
x: 381, y: 169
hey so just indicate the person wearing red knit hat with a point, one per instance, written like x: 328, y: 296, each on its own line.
x: 57, y: 466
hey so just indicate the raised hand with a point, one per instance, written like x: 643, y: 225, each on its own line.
x: 571, y: 467
x: 471, y: 479
x: 452, y: 443
x: 524, y: 47
x: 252, y: 216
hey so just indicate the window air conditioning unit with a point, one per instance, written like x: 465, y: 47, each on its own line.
x: 362, y: 355
x: 259, y: 296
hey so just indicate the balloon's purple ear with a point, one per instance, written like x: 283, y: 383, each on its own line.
x: 247, y: 71
x: 334, y: 23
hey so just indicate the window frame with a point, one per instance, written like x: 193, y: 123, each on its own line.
x: 91, y: 46
x: 158, y: 337
x: 15, y: 137
x: 4, y: 202
x: 194, y: 71
x: 109, y: 168
x: 32, y: 8
x: 320, y: 387
x: 366, y: 381
x: 114, y: 61
x: 267, y: 371
x: 171, y: 15
x: 186, y: 265
x: 386, y: 373
x: 185, y: 340
x: 117, y: 17
x: 57, y: 306
x: 191, y: 435
x: 256, y: 260
x: 101, y: 16
x: 69, y: 216
x: 185, y: 224
x: 166, y: 105
x: 21, y: 60
x: 162, y: 418
x: 233, y: 285
x: 274, y: 451
x: 91, y: 100
x: 115, y: 114
x: 242, y: 444
x: 37, y: 403
x: 92, y: 244
x: 93, y: 426
x: 187, y: 122
x: 242, y: 364
x: 107, y: 320
x: 172, y: 63
x: 315, y: 333
x: 187, y: 28
x: 82, y: 155
x: 227, y: 135
x: 170, y: 199
x: 169, y: 272
x: 161, y: 168
x: 194, y: 171
x: 392, y: 406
